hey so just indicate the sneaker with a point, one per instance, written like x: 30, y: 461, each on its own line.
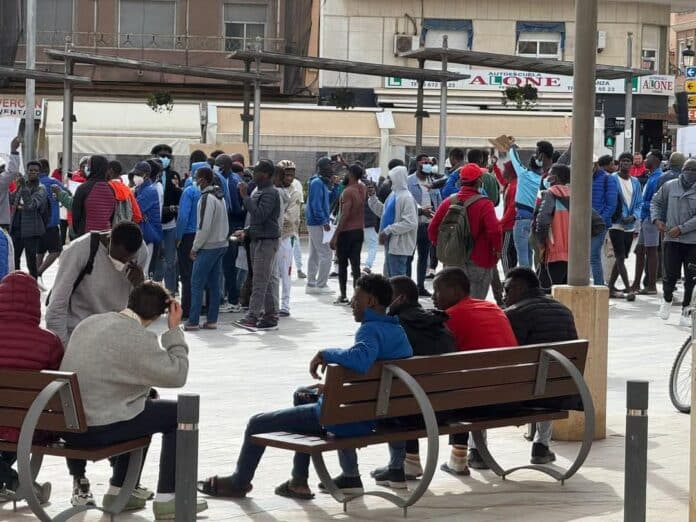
x: 423, y: 292
x: 301, y: 275
x: 284, y: 313
x: 431, y: 274
x: 324, y: 290
x: 167, y: 510
x: 267, y: 325
x: 412, y: 469
x: 343, y: 300
x: 685, y: 319
x: 143, y: 492
x: 347, y: 485
x: 227, y: 308
x: 82, y: 494
x: 541, y: 454
x: 311, y: 289
x: 247, y: 322
x: 134, y: 502
x: 392, y: 478
x: 475, y: 461
x: 665, y: 308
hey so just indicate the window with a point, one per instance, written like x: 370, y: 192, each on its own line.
x: 243, y: 24
x: 147, y: 23
x: 54, y: 21
x: 539, y: 45
x: 650, y: 43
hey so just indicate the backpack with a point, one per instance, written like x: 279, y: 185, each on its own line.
x: 94, y: 239
x: 454, y: 241
x: 122, y: 212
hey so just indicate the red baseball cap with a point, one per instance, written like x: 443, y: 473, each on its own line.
x: 470, y: 173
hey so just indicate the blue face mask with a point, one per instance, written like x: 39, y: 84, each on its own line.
x: 87, y: 171
x: 426, y: 168
x: 547, y: 182
x: 216, y: 169
x: 165, y: 161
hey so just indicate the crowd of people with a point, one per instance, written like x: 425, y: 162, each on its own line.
x: 223, y: 237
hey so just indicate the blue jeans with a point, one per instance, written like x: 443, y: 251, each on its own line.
x: 371, y: 245
x: 299, y: 419
x: 206, y: 274
x: 165, y: 267
x: 596, y: 258
x: 520, y: 234
x: 397, y: 265
x: 297, y: 253
x: 229, y: 269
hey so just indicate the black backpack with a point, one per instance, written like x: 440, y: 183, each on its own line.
x: 94, y: 238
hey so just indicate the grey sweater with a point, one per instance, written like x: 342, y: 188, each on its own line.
x: 213, y: 224
x: 104, y: 290
x: 676, y: 207
x: 117, y: 361
x: 6, y: 178
x: 264, y: 210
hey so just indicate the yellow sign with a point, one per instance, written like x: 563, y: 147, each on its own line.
x: 690, y: 86
x: 692, y: 100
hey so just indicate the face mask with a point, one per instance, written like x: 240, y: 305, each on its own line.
x: 165, y: 161
x: 689, y: 176
x: 433, y: 169
x: 426, y: 168
x: 118, y: 265
x: 138, y: 180
x: 539, y: 162
x: 87, y: 171
x: 547, y: 182
x: 216, y: 169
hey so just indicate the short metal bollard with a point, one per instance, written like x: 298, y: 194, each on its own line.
x: 635, y: 477
x: 187, y: 457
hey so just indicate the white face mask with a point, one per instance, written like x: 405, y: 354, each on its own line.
x: 138, y: 180
x: 118, y: 265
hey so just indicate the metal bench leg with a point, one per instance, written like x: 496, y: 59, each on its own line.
x: 588, y: 406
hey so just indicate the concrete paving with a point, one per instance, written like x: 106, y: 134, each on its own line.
x: 238, y: 373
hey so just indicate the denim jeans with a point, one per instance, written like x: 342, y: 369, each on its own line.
x: 300, y: 419
x: 186, y: 270
x: 397, y: 265
x: 520, y: 234
x: 596, y: 258
x: 423, y: 247
x: 169, y: 259
x: 371, y: 245
x: 206, y: 275
x: 229, y: 269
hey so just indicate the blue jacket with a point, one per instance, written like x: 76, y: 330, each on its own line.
x: 148, y: 201
x: 47, y: 181
x: 649, y: 191
x: 451, y: 185
x: 604, y: 194
x: 380, y: 337
x: 528, y: 183
x: 5, y: 250
x: 417, y: 192
x: 629, y: 208
x: 186, y: 220
x: 236, y: 210
x: 318, y: 202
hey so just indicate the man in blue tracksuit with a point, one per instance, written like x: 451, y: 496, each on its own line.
x: 51, y: 240
x: 379, y: 337
x: 317, y: 213
x: 604, y: 198
x: 649, y: 236
x: 528, y: 182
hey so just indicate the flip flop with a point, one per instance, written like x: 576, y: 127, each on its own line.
x: 284, y: 490
x: 464, y: 473
x: 221, y: 487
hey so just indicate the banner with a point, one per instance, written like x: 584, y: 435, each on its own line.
x: 13, y: 107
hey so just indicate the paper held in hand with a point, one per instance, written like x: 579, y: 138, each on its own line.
x: 329, y: 234
x: 501, y: 143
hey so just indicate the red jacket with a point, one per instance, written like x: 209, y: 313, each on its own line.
x: 478, y: 325
x: 483, y: 223
x: 507, y: 222
x: 57, y: 174
x: 25, y: 345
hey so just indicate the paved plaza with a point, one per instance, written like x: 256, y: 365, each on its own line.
x: 238, y: 373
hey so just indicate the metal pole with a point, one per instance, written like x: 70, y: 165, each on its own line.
x: 247, y: 104
x: 187, y: 413
x: 419, y: 112
x: 67, y: 122
x: 30, y: 85
x: 628, y: 114
x: 443, y: 109
x: 582, y: 138
x: 257, y: 116
x: 635, y: 476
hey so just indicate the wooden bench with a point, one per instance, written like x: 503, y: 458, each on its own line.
x: 50, y: 401
x: 488, y: 388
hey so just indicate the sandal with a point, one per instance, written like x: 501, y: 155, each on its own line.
x: 210, y: 326
x: 285, y: 490
x: 221, y: 487
x: 191, y: 327
x: 463, y: 473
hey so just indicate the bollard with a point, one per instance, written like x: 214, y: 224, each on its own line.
x: 186, y: 457
x: 635, y: 476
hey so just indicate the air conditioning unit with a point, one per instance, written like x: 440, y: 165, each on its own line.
x: 404, y: 43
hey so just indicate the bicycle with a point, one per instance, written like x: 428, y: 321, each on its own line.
x: 680, y: 379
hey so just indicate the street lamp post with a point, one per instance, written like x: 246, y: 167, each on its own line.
x: 688, y: 57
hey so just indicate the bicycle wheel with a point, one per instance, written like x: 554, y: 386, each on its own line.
x: 680, y: 379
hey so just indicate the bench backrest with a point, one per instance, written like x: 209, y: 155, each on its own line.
x: 19, y: 389
x: 458, y: 380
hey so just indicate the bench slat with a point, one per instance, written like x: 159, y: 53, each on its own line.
x: 22, y: 399
x: 315, y: 444
x: 93, y: 454
x: 13, y: 418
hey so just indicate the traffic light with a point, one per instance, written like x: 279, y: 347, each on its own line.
x: 609, y: 138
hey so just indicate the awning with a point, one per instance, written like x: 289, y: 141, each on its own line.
x: 519, y: 63
x: 16, y: 73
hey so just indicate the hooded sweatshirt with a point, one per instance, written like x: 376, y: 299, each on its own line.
x: 213, y: 224
x: 552, y: 223
x: 25, y: 345
x: 674, y: 205
x: 399, y: 214
x: 123, y: 193
x: 148, y: 199
x: 425, y: 329
x: 317, y: 211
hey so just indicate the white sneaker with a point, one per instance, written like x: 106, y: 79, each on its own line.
x: 665, y: 308
x: 413, y: 470
x: 311, y: 290
x: 685, y: 319
x: 226, y: 308
x: 82, y: 493
x: 324, y: 290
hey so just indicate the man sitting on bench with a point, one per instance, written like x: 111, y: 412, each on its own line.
x: 379, y: 337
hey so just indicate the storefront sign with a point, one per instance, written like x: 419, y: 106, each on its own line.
x: 497, y: 80
x: 13, y: 107
x: 691, y: 101
x: 690, y: 86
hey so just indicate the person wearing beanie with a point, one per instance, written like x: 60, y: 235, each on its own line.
x: 676, y: 162
x: 486, y: 236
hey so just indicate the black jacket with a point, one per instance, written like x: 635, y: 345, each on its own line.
x: 172, y: 195
x: 425, y: 329
x: 541, y: 319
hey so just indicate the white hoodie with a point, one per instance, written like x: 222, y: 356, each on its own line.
x: 402, y: 233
